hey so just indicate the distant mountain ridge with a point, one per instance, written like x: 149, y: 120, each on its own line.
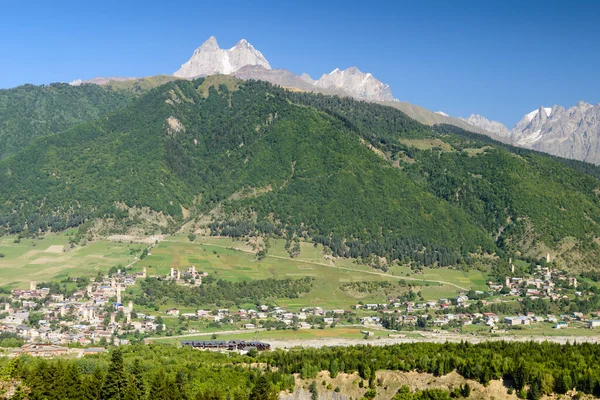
x: 573, y: 133
x: 245, y: 62
x: 569, y: 133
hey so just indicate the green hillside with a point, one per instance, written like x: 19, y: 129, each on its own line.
x: 28, y: 112
x: 363, y: 179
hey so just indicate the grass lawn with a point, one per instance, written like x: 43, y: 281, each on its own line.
x: 52, y: 258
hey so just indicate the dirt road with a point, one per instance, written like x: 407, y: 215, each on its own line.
x: 316, y: 343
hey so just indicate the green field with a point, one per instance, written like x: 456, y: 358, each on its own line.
x: 231, y: 260
x: 52, y: 258
x: 303, y: 334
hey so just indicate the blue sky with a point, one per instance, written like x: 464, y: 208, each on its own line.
x: 500, y: 59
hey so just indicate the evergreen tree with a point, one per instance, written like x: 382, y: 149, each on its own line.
x: 333, y: 368
x: 131, y: 391
x: 91, y: 386
x: 138, y: 375
x: 158, y: 386
x: 535, y: 391
x: 262, y: 389
x: 115, y: 380
x: 71, y: 382
x: 163, y: 388
x: 181, y: 382
x: 372, y: 378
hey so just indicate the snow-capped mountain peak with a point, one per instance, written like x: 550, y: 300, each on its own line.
x: 532, y: 114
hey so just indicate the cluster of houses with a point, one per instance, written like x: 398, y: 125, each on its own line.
x: 86, y: 317
x: 96, y: 314
x: 233, y: 345
x: 544, y: 283
x: 187, y: 277
x: 52, y: 350
x: 263, y: 313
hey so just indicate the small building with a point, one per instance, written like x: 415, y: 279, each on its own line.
x: 593, y: 323
x: 93, y: 350
x: 41, y: 350
x: 514, y: 321
x: 173, y: 311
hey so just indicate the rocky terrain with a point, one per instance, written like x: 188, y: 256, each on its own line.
x: 245, y: 62
x: 210, y: 59
x: 358, y: 84
x: 570, y: 133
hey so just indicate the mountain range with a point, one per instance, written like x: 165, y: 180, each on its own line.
x: 570, y: 133
x: 234, y: 155
x: 239, y: 158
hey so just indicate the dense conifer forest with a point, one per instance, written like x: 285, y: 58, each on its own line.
x: 165, y: 372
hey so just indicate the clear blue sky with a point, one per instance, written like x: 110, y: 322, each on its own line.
x: 497, y: 58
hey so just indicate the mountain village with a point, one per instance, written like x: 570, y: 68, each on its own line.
x: 97, y: 316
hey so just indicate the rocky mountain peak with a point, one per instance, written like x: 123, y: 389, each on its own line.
x: 244, y: 61
x: 210, y: 59
x: 570, y: 133
x: 210, y: 44
x: 307, y: 78
x: 243, y: 44
x: 356, y: 83
x: 488, y: 125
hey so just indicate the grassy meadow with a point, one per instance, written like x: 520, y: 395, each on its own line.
x: 50, y: 258
x: 230, y: 260
x: 53, y: 258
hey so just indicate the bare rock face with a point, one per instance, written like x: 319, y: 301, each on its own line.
x: 358, y: 84
x: 571, y: 133
x: 209, y: 59
x: 245, y: 62
x: 306, y: 78
x: 281, y: 77
x: 490, y: 126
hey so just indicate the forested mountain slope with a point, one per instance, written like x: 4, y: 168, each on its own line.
x: 362, y: 178
x: 28, y: 112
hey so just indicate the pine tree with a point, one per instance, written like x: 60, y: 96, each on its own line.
x: 71, y: 382
x: 181, y: 381
x: 333, y: 368
x: 91, y: 387
x: 261, y: 389
x: 372, y: 378
x: 535, y: 392
x: 158, y: 387
x: 163, y: 388
x: 138, y: 375
x: 314, y: 393
x: 115, y: 380
x: 131, y: 391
